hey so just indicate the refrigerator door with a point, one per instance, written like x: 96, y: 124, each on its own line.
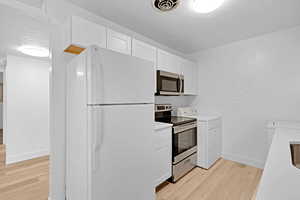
x: 122, y: 152
x: 115, y: 78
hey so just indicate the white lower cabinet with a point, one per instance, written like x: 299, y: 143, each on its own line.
x: 209, y: 142
x: 163, y: 154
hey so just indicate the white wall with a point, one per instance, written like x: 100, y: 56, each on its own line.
x: 26, y: 128
x: 250, y: 82
x: 176, y: 101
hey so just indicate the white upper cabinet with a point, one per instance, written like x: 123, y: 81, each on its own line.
x: 81, y: 33
x: 147, y: 52
x: 118, y: 42
x: 143, y: 50
x: 190, y: 72
x: 168, y: 62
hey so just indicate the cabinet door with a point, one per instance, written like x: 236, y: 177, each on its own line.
x: 214, y: 145
x: 80, y: 33
x: 190, y: 71
x: 168, y: 62
x: 163, y: 155
x: 143, y: 50
x: 118, y: 42
x: 147, y: 52
x: 85, y: 33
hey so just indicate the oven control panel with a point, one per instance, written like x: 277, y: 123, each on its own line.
x: 163, y: 107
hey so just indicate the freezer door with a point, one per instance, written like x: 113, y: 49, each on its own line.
x: 115, y: 78
x: 122, y: 152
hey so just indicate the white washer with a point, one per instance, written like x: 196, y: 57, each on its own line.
x: 209, y: 136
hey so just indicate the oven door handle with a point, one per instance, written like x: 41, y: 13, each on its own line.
x: 182, y: 128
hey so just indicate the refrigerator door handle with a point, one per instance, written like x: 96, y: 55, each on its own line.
x: 98, y: 137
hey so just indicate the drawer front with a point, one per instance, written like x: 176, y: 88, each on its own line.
x: 214, y: 124
x: 183, y: 167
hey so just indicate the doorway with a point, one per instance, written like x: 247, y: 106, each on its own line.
x: 24, y: 106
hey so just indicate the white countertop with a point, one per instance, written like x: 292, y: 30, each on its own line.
x: 207, y: 117
x: 280, y: 180
x: 160, y: 125
x: 204, y: 117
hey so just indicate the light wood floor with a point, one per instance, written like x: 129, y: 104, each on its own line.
x: 27, y: 180
x: 1, y: 136
x: 226, y: 180
x: 2, y: 156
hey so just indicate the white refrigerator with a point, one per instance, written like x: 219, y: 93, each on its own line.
x: 110, y: 116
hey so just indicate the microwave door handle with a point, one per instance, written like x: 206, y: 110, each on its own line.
x: 179, y: 84
x: 180, y: 80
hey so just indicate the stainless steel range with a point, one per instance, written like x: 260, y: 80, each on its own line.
x: 184, y: 140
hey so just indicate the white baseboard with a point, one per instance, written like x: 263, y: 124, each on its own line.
x: 244, y: 160
x: 25, y: 156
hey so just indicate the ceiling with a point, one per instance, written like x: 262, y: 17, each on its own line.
x: 34, y: 3
x: 18, y: 29
x: 188, y: 31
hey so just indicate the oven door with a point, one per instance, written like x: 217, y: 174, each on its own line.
x: 169, y: 83
x: 184, y: 141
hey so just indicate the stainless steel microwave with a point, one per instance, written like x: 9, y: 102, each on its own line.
x: 169, y: 84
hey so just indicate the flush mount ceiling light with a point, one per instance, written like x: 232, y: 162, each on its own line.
x: 206, y: 6
x: 34, y: 51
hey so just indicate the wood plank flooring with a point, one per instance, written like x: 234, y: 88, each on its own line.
x: 2, y: 156
x: 1, y: 136
x: 28, y: 180
x: 226, y: 180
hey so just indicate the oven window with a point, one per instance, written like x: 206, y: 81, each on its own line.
x: 169, y: 84
x: 184, y: 141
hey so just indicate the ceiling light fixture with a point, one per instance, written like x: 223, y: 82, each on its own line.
x: 206, y: 6
x: 34, y: 51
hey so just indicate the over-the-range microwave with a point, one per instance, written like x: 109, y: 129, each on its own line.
x: 169, y: 84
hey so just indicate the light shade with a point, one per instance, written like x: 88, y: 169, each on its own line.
x: 206, y: 6
x: 34, y: 51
